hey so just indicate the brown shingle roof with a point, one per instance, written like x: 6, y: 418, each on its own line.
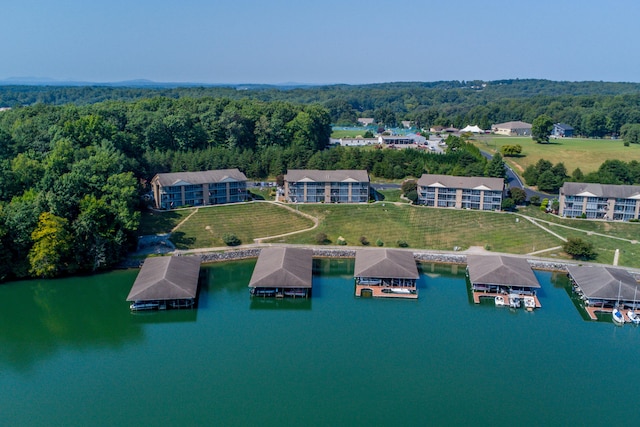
x: 315, y: 175
x: 165, y: 278
x: 283, y: 268
x: 466, y: 182
x: 501, y: 270
x: 603, y: 282
x: 202, y: 177
x: 601, y: 190
x: 385, y: 264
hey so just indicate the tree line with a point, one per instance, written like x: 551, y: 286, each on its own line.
x: 72, y: 177
x: 593, y: 109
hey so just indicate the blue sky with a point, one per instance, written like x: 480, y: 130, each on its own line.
x: 330, y: 41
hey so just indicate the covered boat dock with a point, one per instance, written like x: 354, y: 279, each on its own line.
x: 282, y: 272
x: 166, y: 282
x: 386, y: 273
x: 509, y: 278
x: 603, y: 288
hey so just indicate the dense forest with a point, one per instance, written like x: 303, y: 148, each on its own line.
x: 75, y: 161
x: 72, y: 177
x: 594, y: 109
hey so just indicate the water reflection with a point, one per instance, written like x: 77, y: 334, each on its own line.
x: 41, y: 317
x: 258, y: 303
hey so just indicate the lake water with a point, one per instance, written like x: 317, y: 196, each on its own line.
x: 71, y: 353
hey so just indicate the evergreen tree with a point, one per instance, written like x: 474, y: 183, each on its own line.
x: 495, y: 168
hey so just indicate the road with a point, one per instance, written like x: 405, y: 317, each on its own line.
x: 514, y: 181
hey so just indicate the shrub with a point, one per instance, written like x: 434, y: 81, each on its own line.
x: 321, y: 238
x: 231, y: 239
x: 579, y: 249
x: 535, y: 200
x: 341, y: 241
x: 413, y: 196
x: 379, y: 242
x: 508, y: 204
x: 544, y: 204
x: 402, y: 244
x: 364, y: 241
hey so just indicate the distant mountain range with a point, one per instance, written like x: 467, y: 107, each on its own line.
x: 140, y: 83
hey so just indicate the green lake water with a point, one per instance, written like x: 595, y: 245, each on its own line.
x: 71, y: 353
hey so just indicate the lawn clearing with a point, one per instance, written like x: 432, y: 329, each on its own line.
x: 424, y: 228
x: 587, y: 154
x: 248, y: 221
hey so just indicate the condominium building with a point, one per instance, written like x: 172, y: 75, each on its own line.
x: 600, y: 201
x: 323, y: 186
x: 460, y: 192
x: 172, y: 190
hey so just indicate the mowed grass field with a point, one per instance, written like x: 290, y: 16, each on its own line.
x: 424, y: 228
x: 420, y: 227
x: 587, y: 154
x: 205, y: 227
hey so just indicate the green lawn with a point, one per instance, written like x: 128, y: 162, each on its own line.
x: 420, y: 227
x: 587, y: 154
x: 247, y: 221
x: 161, y: 222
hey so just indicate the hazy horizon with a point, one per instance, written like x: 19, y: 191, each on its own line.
x: 333, y: 42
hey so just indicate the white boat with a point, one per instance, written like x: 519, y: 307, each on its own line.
x: 631, y: 314
x: 144, y: 305
x: 370, y: 282
x: 634, y: 317
x: 403, y: 291
x: 617, y: 316
x: 499, y: 301
x: 529, y: 303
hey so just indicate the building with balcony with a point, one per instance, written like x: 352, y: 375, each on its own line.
x: 172, y: 190
x: 460, y: 192
x: 322, y: 186
x: 599, y: 201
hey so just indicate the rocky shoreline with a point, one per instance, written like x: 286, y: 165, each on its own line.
x: 319, y: 252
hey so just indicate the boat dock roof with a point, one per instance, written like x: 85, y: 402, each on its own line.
x: 385, y: 263
x: 279, y: 267
x: 166, y: 278
x: 604, y: 283
x: 501, y: 270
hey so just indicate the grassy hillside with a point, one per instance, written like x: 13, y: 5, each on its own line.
x: 419, y: 227
x: 587, y: 154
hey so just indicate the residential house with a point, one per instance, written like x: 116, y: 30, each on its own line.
x: 599, y: 201
x: 562, y: 130
x: 396, y: 140
x: 366, y: 121
x: 516, y: 128
x: 460, y: 192
x: 172, y: 190
x: 324, y: 186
